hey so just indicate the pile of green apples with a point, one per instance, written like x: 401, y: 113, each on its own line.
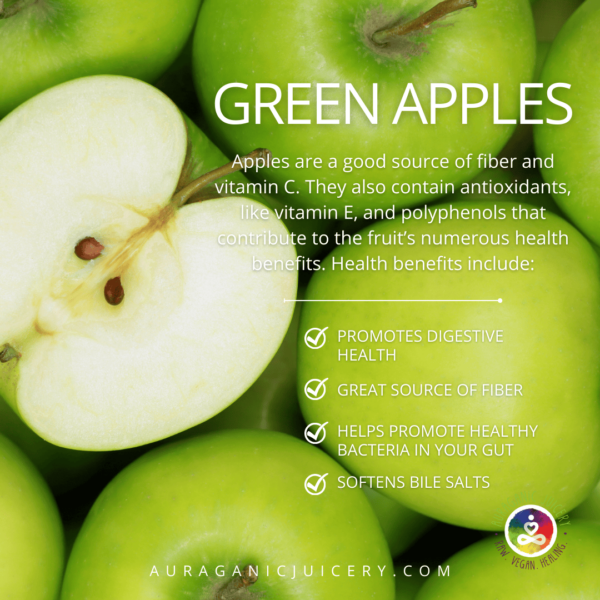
x: 155, y: 428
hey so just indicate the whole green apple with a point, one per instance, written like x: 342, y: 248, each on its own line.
x: 574, y: 146
x: 31, y: 542
x: 46, y: 42
x: 483, y: 571
x: 62, y: 469
x: 457, y: 404
x: 131, y: 306
x: 333, y: 42
x: 226, y: 501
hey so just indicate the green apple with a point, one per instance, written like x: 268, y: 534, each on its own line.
x: 574, y: 146
x: 235, y: 499
x: 62, y: 469
x: 31, y: 543
x: 127, y: 315
x: 544, y: 337
x: 46, y: 42
x: 335, y: 42
x: 481, y: 571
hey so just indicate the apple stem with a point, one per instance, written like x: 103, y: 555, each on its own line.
x: 240, y: 582
x: 8, y: 353
x: 443, y: 9
x: 242, y: 162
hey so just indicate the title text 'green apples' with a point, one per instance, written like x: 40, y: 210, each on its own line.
x: 272, y: 44
x: 545, y: 336
x: 226, y: 501
x: 164, y: 327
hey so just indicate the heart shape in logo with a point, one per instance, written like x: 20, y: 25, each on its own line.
x: 531, y: 528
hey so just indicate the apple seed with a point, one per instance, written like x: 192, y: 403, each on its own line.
x: 114, y: 292
x: 8, y: 353
x: 88, y: 248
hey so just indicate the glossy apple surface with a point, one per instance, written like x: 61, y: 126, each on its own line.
x: 46, y: 42
x: 550, y: 321
x: 193, y: 326
x: 572, y: 59
x: 232, y: 499
x: 480, y: 571
x: 331, y: 42
x: 31, y: 539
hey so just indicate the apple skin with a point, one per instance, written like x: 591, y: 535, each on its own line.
x: 551, y: 320
x: 480, y: 572
x: 62, y: 469
x: 31, y: 544
x: 270, y: 41
x: 50, y: 42
x: 229, y: 498
x: 575, y: 145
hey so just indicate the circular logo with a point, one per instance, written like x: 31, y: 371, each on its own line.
x: 530, y: 530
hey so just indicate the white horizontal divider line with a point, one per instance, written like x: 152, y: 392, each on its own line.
x: 497, y: 300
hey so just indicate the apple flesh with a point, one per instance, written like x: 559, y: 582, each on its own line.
x: 47, y: 42
x: 480, y: 571
x: 31, y: 544
x: 271, y: 403
x: 234, y: 499
x: 575, y: 145
x: 550, y: 320
x: 105, y: 157
x: 331, y: 42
